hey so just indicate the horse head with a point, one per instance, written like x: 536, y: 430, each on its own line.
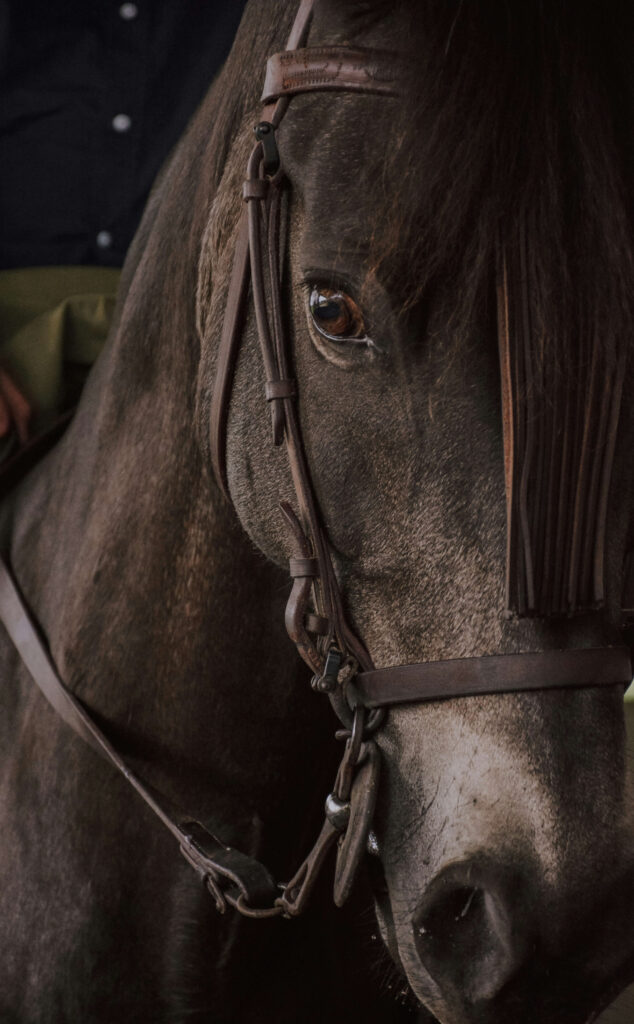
x: 501, y: 842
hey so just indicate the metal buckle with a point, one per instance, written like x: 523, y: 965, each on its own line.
x: 327, y: 681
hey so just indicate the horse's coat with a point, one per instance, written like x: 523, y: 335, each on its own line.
x: 503, y: 825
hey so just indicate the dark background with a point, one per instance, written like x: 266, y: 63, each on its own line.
x: 93, y: 95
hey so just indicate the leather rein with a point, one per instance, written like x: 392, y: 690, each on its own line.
x: 315, y: 618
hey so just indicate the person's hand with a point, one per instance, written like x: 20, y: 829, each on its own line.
x: 14, y: 409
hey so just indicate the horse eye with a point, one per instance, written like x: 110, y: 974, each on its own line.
x: 336, y: 315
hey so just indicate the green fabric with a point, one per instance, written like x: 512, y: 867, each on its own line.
x: 53, y: 324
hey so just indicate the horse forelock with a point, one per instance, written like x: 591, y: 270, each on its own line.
x: 513, y: 144
x: 514, y: 111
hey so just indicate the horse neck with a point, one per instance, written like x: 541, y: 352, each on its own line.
x: 157, y: 609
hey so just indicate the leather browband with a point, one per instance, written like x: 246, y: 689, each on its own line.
x: 500, y: 673
x: 326, y: 68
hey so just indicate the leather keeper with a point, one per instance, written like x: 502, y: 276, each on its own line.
x: 255, y: 188
x: 316, y: 624
x: 225, y: 865
x: 275, y: 389
x: 303, y: 567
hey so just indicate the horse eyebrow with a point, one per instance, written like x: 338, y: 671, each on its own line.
x: 317, y: 256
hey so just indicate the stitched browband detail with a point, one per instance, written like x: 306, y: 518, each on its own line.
x: 500, y: 673
x: 326, y: 68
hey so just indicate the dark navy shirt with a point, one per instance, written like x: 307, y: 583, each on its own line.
x: 93, y: 95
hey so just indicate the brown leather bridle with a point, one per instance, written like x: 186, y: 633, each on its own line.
x: 315, y: 617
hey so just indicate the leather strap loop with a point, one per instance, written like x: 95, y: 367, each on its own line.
x: 301, y: 567
x: 274, y: 389
x: 255, y: 188
x: 316, y: 624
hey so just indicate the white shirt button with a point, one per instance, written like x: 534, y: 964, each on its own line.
x: 122, y: 123
x: 104, y: 239
x: 128, y: 12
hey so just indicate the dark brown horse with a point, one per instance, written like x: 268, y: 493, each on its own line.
x: 502, y: 841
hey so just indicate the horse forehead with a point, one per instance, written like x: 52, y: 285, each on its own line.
x: 335, y: 149
x: 364, y: 23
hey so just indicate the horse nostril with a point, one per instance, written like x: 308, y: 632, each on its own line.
x: 448, y: 914
x: 465, y: 935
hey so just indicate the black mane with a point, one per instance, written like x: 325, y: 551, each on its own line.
x: 520, y: 113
